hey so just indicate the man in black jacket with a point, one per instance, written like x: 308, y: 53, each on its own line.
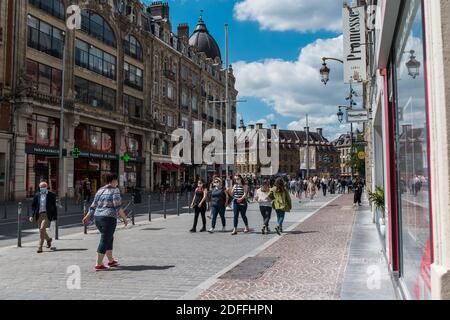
x: 44, y: 210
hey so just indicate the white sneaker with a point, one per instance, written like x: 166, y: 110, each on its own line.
x: 211, y: 230
x: 223, y: 229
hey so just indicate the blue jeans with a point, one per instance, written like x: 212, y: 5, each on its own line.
x: 280, y: 217
x: 107, y: 227
x: 218, y: 210
x: 242, y: 209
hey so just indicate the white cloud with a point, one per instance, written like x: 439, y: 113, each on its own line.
x: 294, y: 88
x: 297, y: 15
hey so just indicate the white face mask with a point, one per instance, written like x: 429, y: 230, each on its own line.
x: 238, y: 181
x: 200, y: 185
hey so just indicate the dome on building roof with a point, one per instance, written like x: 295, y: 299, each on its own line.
x: 204, y: 41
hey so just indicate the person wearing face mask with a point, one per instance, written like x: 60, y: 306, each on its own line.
x: 199, y: 205
x: 219, y: 201
x: 105, y: 209
x: 44, y: 210
x: 239, y: 193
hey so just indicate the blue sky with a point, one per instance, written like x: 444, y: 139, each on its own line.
x: 275, y: 49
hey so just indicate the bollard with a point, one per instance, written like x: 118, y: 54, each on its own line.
x: 56, y: 229
x: 84, y: 215
x: 19, y: 225
x: 149, y: 207
x: 164, y: 206
x: 189, y: 205
x: 65, y: 204
x: 178, y: 204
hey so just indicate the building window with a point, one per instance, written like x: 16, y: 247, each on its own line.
x: 53, y: 7
x: 94, y: 59
x: 97, y: 27
x: 184, y: 99
x: 94, y: 139
x: 45, y: 38
x: 194, y: 103
x: 165, y: 148
x: 134, y: 145
x: 155, y: 146
x: 133, y: 106
x: 44, y: 78
x: 95, y: 95
x: 132, y: 47
x: 170, y: 121
x: 171, y: 91
x: 133, y: 76
x: 43, y: 131
x: 185, y: 123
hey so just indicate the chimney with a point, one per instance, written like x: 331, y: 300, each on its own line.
x: 319, y: 132
x: 274, y: 126
x: 259, y: 125
x: 183, y: 31
x: 159, y: 8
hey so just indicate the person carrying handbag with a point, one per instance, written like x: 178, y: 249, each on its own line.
x: 281, y: 203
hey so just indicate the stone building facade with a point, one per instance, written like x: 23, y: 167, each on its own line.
x: 129, y: 82
x: 324, y: 157
x: 344, y: 145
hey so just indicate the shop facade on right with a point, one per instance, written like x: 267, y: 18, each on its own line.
x: 408, y: 54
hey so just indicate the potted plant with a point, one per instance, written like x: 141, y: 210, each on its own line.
x: 377, y: 200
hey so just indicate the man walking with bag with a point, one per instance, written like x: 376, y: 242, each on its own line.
x: 44, y: 211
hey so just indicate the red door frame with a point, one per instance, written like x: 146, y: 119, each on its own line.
x: 392, y: 178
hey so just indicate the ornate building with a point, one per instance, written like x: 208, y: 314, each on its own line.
x: 324, y: 158
x: 128, y: 82
x: 344, y: 145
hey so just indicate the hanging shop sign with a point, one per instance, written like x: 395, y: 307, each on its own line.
x: 354, y: 33
x: 357, y: 116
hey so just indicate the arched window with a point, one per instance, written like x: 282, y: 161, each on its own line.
x: 96, y: 26
x: 132, y: 47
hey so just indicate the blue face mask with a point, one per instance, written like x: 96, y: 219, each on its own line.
x: 43, y: 190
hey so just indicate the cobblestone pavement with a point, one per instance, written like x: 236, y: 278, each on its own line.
x: 160, y: 259
x: 307, y: 263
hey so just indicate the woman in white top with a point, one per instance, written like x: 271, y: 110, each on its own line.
x: 265, y: 205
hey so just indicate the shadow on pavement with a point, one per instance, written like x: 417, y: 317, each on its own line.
x: 300, y: 232
x: 152, y: 229
x: 67, y: 250
x: 141, y: 268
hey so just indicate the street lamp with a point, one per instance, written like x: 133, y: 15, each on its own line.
x: 413, y: 65
x: 340, y: 115
x: 325, y: 71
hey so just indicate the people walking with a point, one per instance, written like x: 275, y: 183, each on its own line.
x: 87, y: 191
x: 358, y: 188
x: 324, y: 185
x: 299, y: 189
x: 311, y: 189
x: 281, y: 203
x: 265, y: 205
x: 219, y: 201
x: 199, y: 205
x: 239, y: 193
x: 106, y: 208
x: 44, y: 210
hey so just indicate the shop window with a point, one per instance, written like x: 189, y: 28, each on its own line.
x: 43, y: 131
x: 411, y: 149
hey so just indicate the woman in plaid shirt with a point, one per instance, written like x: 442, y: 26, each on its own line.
x: 106, y: 208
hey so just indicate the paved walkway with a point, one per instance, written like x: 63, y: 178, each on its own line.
x: 330, y: 250
x: 328, y: 256
x: 160, y: 260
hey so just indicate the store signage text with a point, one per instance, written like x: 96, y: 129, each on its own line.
x: 357, y: 116
x: 355, y: 68
x: 43, y: 151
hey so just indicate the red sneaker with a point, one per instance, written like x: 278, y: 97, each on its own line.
x: 113, y: 263
x: 101, y: 268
